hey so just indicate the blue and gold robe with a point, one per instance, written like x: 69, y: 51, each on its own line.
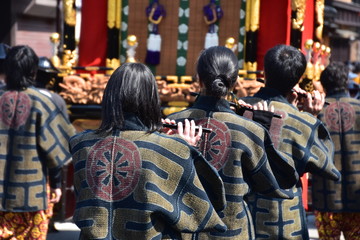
x: 34, y: 146
x: 342, y: 118
x: 131, y: 184
x: 239, y: 149
x: 306, y: 143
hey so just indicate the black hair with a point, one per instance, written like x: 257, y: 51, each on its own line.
x: 217, y: 68
x: 131, y: 88
x: 283, y: 66
x: 21, y: 64
x: 334, y: 78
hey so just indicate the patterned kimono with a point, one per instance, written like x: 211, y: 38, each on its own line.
x: 131, y: 184
x: 342, y: 118
x: 307, y: 145
x: 34, y: 138
x: 239, y: 149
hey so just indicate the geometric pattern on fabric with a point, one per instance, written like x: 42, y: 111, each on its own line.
x: 215, y: 145
x: 339, y: 116
x: 15, y: 109
x: 26, y: 225
x: 342, y: 118
x: 155, y: 191
x: 34, y: 136
x: 246, y: 167
x: 307, y: 145
x: 113, y: 177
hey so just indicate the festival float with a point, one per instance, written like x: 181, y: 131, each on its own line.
x: 96, y: 37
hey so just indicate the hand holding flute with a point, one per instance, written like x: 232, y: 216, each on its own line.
x: 308, y: 102
x: 238, y: 105
x: 187, y: 130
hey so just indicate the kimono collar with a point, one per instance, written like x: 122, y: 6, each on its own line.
x: 271, y: 94
x: 214, y: 104
x: 132, y: 122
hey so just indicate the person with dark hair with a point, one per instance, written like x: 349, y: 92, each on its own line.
x: 237, y: 147
x: 337, y: 204
x: 302, y: 138
x: 34, y: 138
x: 46, y: 81
x: 133, y: 181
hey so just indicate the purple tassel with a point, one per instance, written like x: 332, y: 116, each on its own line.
x: 152, y: 57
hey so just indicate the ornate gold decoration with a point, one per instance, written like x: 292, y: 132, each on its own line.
x: 84, y: 89
x: 251, y: 66
x: 55, y: 37
x: 131, y: 40
x: 118, y: 14
x: 317, y: 61
x: 317, y: 57
x: 69, y: 12
x: 114, y: 14
x: 245, y: 88
x: 252, y: 18
x: 309, y: 44
x: 111, y: 14
x: 298, y: 6
x: 309, y: 72
x: 131, y: 47
x: 326, y: 57
x: 55, y: 41
x: 69, y: 60
x: 172, y: 91
x: 231, y: 44
x: 319, y: 18
x: 113, y: 63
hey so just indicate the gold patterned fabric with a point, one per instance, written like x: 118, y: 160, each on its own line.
x: 306, y: 143
x: 240, y: 150
x: 26, y: 225
x: 34, y: 137
x: 330, y: 225
x: 131, y: 184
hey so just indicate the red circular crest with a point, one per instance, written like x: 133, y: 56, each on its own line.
x: 340, y: 113
x: 15, y: 108
x: 113, y: 169
x: 217, y: 143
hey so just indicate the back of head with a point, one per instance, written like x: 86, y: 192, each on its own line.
x: 217, y: 68
x: 283, y: 65
x: 334, y: 77
x: 131, y: 88
x: 21, y: 65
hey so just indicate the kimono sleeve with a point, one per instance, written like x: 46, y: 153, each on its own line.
x: 55, y: 131
x: 321, y: 161
x: 267, y: 172
x: 201, y: 197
